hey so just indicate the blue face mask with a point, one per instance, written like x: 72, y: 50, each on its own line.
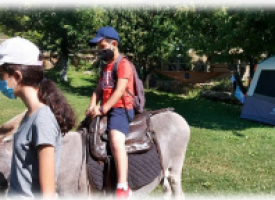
x: 8, y: 92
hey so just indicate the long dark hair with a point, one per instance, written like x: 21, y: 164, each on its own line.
x: 48, y: 93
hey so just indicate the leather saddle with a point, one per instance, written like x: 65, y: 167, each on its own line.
x: 138, y: 140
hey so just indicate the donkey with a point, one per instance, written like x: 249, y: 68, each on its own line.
x: 172, y: 132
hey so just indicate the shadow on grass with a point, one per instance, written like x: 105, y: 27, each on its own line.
x: 68, y: 87
x: 202, y: 113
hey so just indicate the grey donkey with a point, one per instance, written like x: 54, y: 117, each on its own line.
x: 173, y: 135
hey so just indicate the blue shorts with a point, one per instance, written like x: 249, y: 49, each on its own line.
x: 118, y: 120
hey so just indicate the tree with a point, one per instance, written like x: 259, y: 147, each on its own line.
x: 146, y: 35
x: 63, y: 31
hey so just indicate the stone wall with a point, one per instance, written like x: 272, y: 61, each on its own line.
x: 50, y: 59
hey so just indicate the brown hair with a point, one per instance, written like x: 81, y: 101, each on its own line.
x: 48, y: 93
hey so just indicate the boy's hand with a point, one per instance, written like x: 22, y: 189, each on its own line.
x: 89, y: 110
x: 96, y: 112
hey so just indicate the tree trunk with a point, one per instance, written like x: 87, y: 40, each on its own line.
x: 64, y: 68
x: 64, y: 58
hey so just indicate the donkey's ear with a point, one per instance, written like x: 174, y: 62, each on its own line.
x: 10, y: 127
x: 5, y: 131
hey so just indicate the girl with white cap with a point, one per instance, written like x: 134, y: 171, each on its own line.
x: 37, y: 142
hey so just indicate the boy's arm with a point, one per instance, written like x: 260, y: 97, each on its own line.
x: 119, y: 91
x: 94, y: 99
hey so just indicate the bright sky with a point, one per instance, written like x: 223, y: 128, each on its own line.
x: 202, y: 3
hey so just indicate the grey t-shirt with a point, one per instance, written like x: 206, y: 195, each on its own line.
x: 41, y: 128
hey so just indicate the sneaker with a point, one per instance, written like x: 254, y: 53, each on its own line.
x: 122, y: 194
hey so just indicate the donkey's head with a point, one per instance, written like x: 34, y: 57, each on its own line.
x: 3, y: 183
x: 7, y: 131
x: 5, y: 164
x: 9, y: 128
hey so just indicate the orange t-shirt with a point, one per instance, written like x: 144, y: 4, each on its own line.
x: 107, y: 82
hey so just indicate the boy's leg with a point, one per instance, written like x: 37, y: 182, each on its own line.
x: 117, y: 143
x: 118, y: 126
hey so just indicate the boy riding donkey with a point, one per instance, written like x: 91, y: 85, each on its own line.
x: 117, y: 102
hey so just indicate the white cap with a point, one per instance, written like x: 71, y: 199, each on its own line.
x: 19, y: 51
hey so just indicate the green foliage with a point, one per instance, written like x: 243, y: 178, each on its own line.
x: 149, y: 36
x: 145, y: 34
x: 63, y: 31
x: 221, y: 30
x: 223, y: 85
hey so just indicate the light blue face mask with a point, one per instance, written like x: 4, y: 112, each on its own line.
x: 8, y: 92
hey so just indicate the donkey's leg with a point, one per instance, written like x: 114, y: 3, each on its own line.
x: 97, y: 194
x: 166, y: 186
x: 173, y: 135
x: 175, y: 178
x: 175, y: 175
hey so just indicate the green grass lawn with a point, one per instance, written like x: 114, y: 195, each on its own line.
x: 226, y: 155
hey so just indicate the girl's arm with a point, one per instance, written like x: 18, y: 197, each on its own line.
x: 47, y: 171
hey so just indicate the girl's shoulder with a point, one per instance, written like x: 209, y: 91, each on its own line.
x: 45, y: 116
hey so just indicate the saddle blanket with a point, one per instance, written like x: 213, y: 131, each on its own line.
x: 142, y: 169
